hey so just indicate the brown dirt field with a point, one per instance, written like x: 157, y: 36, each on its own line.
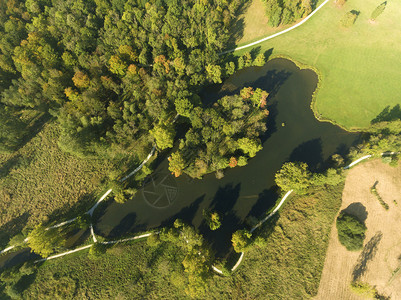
x: 381, y: 255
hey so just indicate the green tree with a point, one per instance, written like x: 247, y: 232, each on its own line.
x: 230, y: 68
x: 249, y: 146
x: 45, y: 242
x: 183, y: 107
x: 351, y: 231
x: 164, y: 136
x: 241, y: 240
x: 294, y: 176
x: 213, y: 73
x: 212, y: 219
x: 260, y: 60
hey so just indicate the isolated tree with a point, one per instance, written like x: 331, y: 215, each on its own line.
x: 241, y: 240
x: 294, y: 176
x: 212, y: 219
x: 340, y: 3
x: 349, y: 18
x: 176, y: 163
x: 45, y: 242
x: 351, y: 231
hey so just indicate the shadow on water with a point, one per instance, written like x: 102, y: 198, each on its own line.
x: 223, y: 203
x: 186, y: 214
x: 309, y: 152
x: 266, y: 200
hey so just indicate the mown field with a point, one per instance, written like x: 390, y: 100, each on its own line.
x: 40, y: 183
x: 289, y: 266
x: 359, y: 66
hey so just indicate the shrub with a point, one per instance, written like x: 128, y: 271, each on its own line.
x: 351, y: 231
x: 374, y: 191
x: 363, y: 289
x: 340, y: 3
x: 349, y: 18
x: 378, y: 11
x: 241, y: 240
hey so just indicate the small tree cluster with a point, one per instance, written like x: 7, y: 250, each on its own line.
x: 241, y: 240
x: 212, y: 219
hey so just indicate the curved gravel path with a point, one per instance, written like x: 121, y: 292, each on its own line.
x: 278, y: 33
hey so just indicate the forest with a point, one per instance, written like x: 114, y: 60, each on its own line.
x: 113, y: 74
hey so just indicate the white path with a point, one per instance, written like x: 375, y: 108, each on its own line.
x: 127, y: 239
x: 141, y: 165
x: 278, y: 33
x: 93, y: 233
x: 64, y: 253
x: 357, y: 161
x: 254, y: 228
x: 90, y: 212
x: 61, y: 224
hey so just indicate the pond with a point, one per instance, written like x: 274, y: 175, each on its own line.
x: 293, y: 134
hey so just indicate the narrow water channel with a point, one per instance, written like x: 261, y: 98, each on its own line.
x: 293, y: 134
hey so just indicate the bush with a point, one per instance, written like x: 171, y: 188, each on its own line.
x: 349, y: 18
x: 241, y: 240
x: 351, y: 231
x: 363, y: 289
x: 374, y: 191
x: 378, y: 11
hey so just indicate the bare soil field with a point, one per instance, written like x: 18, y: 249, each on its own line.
x: 379, y: 262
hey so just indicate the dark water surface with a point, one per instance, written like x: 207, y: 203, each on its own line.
x: 244, y: 191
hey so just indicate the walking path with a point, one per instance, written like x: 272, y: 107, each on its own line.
x: 278, y: 33
x: 254, y: 228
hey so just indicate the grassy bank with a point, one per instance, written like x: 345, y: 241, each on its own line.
x: 40, y: 183
x: 289, y: 266
x: 359, y: 65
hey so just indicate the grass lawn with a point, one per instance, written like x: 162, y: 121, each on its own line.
x: 359, y: 66
x: 39, y: 183
x: 288, y: 267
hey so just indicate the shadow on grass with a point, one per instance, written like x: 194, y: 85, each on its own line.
x: 388, y: 114
x: 12, y: 228
x: 368, y: 253
x: 358, y: 210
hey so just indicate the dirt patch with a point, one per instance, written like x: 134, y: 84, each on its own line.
x: 378, y: 263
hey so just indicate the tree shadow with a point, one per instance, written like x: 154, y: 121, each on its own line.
x: 8, y: 165
x: 358, y: 210
x: 128, y: 224
x: 33, y: 130
x: 84, y: 203
x: 368, y: 253
x: 309, y: 152
x: 187, y: 214
x: 237, y: 26
x: 388, y: 114
x: 12, y: 227
x: 223, y: 203
x: 266, y: 200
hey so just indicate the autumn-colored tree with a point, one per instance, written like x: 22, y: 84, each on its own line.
x: 233, y: 162
x: 177, y: 164
x: 81, y: 80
